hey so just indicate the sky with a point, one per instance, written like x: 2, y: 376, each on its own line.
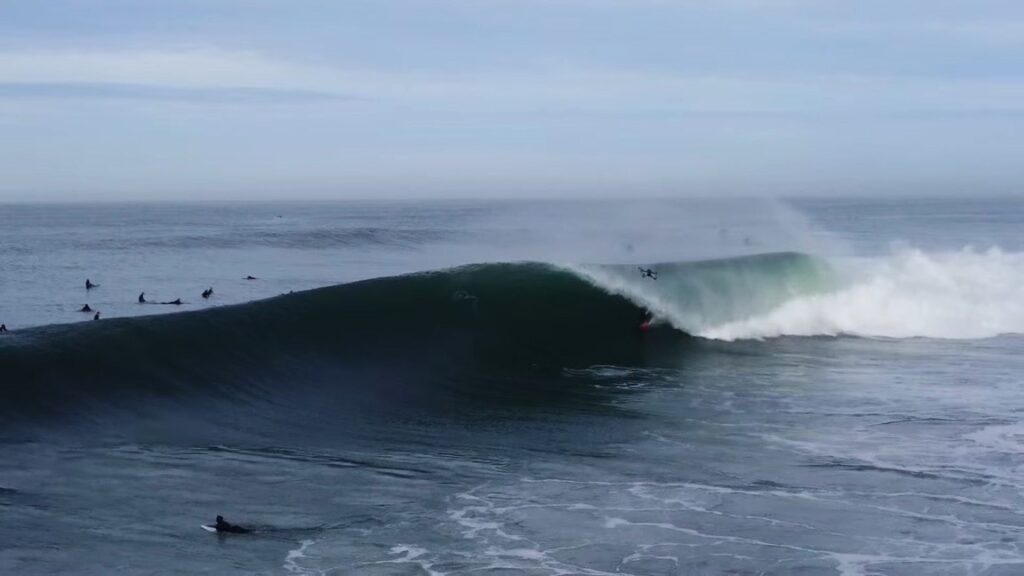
x: 253, y: 99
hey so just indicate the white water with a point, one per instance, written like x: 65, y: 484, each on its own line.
x: 966, y: 294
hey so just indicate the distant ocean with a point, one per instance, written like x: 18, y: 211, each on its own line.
x: 467, y: 387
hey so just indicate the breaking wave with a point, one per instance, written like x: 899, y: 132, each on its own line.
x: 966, y: 294
x: 478, y: 329
x: 382, y: 338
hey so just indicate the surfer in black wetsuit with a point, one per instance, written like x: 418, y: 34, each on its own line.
x: 86, y: 308
x: 648, y: 273
x: 250, y: 277
x: 89, y: 285
x: 97, y: 316
x: 175, y: 302
x: 142, y: 298
x: 207, y: 293
x: 3, y: 328
x: 224, y: 526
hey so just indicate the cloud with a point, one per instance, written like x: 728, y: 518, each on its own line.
x: 187, y: 68
x: 117, y: 91
x: 217, y: 76
x: 197, y: 75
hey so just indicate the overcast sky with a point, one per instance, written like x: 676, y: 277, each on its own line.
x: 155, y: 99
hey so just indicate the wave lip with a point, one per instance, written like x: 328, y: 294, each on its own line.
x: 696, y: 297
x: 967, y: 294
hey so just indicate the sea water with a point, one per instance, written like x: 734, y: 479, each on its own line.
x: 829, y: 387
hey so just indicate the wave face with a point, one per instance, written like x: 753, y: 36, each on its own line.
x: 379, y: 337
x: 696, y: 297
x: 956, y: 295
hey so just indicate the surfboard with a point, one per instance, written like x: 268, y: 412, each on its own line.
x: 208, y: 528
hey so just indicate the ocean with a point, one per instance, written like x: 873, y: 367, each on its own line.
x: 828, y: 386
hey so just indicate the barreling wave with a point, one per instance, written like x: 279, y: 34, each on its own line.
x: 376, y: 336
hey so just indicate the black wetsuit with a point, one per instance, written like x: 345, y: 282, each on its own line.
x: 223, y: 526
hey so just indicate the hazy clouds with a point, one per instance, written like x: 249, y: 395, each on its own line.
x: 250, y: 99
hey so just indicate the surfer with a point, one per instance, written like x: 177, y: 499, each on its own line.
x: 3, y: 328
x: 97, y: 316
x: 175, y: 302
x: 142, y: 298
x: 645, y: 320
x: 648, y: 273
x: 89, y: 285
x: 224, y: 526
x: 207, y: 293
x: 250, y: 277
x: 86, y: 308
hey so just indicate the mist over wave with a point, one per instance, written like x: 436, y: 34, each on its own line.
x: 966, y: 294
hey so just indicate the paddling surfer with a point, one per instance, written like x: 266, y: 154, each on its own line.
x: 224, y: 526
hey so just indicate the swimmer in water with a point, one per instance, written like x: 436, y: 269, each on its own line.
x: 648, y: 273
x: 142, y: 298
x: 89, y: 285
x: 86, y: 308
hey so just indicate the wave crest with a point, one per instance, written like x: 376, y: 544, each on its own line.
x: 967, y: 294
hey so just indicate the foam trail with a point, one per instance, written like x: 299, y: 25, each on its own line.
x: 292, y: 562
x: 967, y: 294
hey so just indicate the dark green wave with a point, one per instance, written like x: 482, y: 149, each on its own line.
x: 371, y: 337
